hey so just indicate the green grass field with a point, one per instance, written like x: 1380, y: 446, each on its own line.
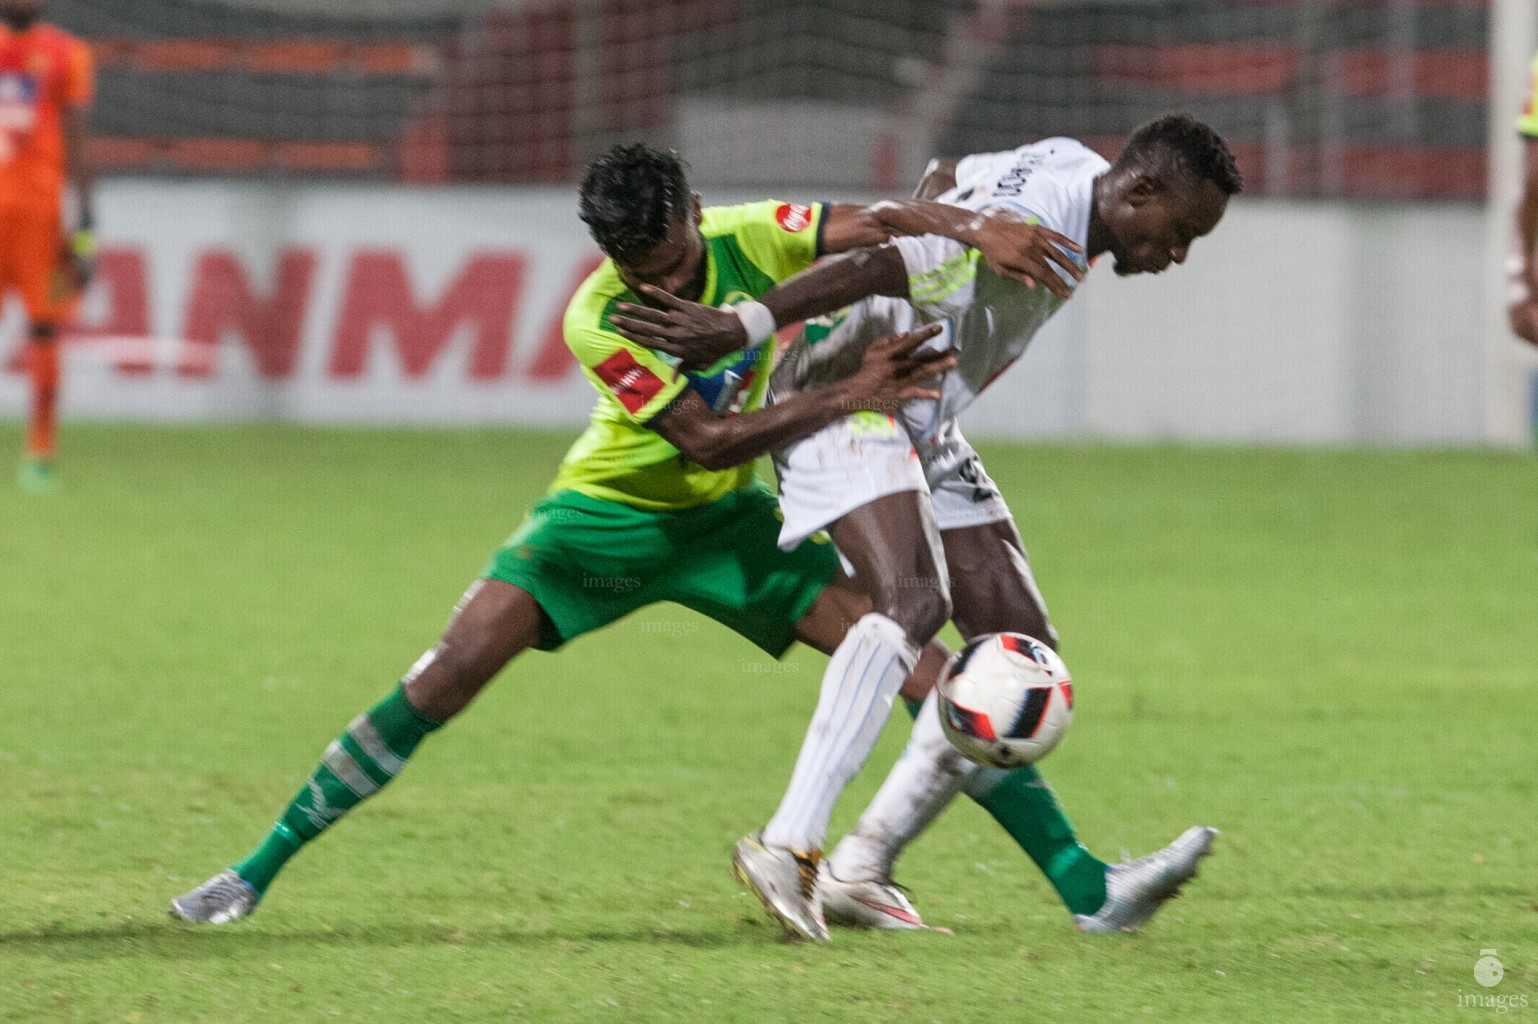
x: 1332, y: 656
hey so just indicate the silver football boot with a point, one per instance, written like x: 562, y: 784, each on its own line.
x: 866, y: 904
x: 785, y: 882
x: 223, y: 898
x: 1135, y: 891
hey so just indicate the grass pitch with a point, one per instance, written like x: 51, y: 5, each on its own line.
x: 1331, y: 656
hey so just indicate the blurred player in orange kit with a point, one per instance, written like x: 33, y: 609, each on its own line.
x: 46, y: 84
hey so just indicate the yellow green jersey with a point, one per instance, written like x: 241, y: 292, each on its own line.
x: 1527, y: 124
x: 748, y: 249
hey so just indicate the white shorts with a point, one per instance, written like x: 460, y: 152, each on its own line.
x: 867, y: 456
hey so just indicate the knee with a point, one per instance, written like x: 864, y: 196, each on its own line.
x: 1037, y: 625
x: 919, y: 604
x: 447, y: 678
x: 994, y: 612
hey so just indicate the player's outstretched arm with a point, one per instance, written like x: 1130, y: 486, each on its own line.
x: 700, y: 335
x: 939, y: 178
x: 80, y: 168
x: 1013, y: 254
x: 1527, y: 211
x: 1014, y: 247
x: 891, y: 373
x: 1523, y: 308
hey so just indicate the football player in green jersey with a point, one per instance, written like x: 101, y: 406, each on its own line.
x: 1522, y: 299
x: 657, y: 500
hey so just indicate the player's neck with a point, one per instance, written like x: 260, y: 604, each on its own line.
x: 19, y: 25
x: 1099, y: 239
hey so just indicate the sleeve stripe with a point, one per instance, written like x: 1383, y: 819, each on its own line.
x: 935, y: 284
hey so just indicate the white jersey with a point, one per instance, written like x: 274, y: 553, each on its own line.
x: 989, y: 320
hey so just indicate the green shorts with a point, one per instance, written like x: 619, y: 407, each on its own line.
x: 590, y: 562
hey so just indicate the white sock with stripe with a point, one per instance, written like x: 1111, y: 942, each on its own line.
x: 865, y: 674
x: 925, y: 778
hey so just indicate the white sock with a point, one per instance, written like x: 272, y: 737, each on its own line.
x: 863, y: 677
x: 921, y: 783
x: 981, y: 780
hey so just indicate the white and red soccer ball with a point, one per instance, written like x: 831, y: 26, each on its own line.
x: 1005, y: 700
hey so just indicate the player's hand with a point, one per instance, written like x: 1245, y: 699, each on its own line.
x: 1523, y: 316
x: 698, y: 335
x: 893, y: 372
x: 1521, y: 304
x: 80, y: 257
x: 1025, y: 252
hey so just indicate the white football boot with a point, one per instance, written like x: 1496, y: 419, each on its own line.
x: 1135, y: 891
x: 223, y: 898
x: 866, y: 904
x: 785, y: 882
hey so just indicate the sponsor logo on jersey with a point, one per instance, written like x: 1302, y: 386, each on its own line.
x: 18, y: 102
x: 630, y: 382
x: 1014, y: 180
x: 872, y: 424
x: 793, y: 217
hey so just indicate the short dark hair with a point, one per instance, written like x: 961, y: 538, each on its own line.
x: 1179, y: 144
x: 630, y: 195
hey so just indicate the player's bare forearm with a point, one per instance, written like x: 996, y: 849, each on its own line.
x: 849, y: 226
x: 838, y: 282
x: 700, y: 335
x: 1527, y: 215
x: 891, y: 373
x: 716, y: 442
x: 939, y: 178
x: 1522, y: 309
x: 921, y: 217
x: 1015, y: 246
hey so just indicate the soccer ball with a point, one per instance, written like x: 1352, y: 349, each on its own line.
x: 1005, y: 700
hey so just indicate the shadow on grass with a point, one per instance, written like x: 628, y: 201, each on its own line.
x: 186, y: 941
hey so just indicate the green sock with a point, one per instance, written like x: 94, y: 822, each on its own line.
x: 370, y: 753
x: 1023, y: 803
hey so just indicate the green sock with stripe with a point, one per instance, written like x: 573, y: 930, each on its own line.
x: 372, y: 751
x: 1022, y: 802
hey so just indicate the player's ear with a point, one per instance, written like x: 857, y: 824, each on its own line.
x: 1142, y: 188
x: 698, y: 208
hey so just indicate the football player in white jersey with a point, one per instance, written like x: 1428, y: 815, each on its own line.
x: 906, y: 499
